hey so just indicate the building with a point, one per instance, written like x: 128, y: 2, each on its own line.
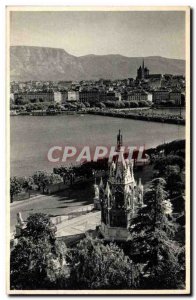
x: 64, y: 84
x: 64, y: 96
x: 142, y: 72
x: 160, y: 95
x: 118, y: 96
x: 139, y: 96
x: 112, y: 96
x: 119, y: 198
x: 73, y: 96
x: 90, y: 96
x: 35, y: 97
x: 155, y: 76
x: 130, y: 82
x: 176, y: 97
x: 58, y: 97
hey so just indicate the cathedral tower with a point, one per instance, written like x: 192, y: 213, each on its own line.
x: 142, y: 72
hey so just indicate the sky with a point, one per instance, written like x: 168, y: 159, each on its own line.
x: 133, y: 34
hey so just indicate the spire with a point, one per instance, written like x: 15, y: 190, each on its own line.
x: 119, y: 140
x: 143, y: 65
x: 101, y: 183
x: 107, y: 190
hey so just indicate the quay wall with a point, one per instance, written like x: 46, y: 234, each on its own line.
x: 159, y: 119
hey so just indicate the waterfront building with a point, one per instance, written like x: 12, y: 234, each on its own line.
x: 120, y: 198
x: 160, y: 95
x: 73, y: 96
x: 176, y: 97
x: 64, y: 96
x: 91, y: 95
x: 34, y: 97
x: 112, y: 96
x: 58, y: 97
x: 118, y: 96
x: 139, y: 96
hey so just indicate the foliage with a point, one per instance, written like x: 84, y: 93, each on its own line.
x: 87, y: 104
x: 86, y: 169
x: 143, y: 103
x: 27, y: 183
x: 20, y: 101
x: 175, y: 184
x: 172, y: 170
x: 63, y: 172
x: 131, y: 104
x: 114, y: 104
x: 37, y: 261
x: 174, y: 147
x: 15, y: 187
x: 94, y: 265
x: 101, y: 105
x: 152, y: 244
x: 38, y: 226
x: 162, y: 163
x: 42, y: 179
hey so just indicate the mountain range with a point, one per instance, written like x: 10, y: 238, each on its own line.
x: 43, y: 63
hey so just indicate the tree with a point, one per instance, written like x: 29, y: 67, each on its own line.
x: 15, y: 187
x: 172, y: 169
x: 27, y: 183
x: 175, y: 184
x: 94, y: 265
x: 54, y: 178
x: 21, y: 101
x: 143, y: 103
x: 64, y: 172
x: 42, y: 179
x: 87, y: 104
x: 133, y: 104
x: 39, y: 179
x: 101, y: 105
x: 152, y: 244
x: 37, y: 260
x: 162, y: 163
x: 38, y: 226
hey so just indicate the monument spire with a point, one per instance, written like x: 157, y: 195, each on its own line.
x: 119, y: 140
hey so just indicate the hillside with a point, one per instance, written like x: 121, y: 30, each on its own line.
x: 42, y: 63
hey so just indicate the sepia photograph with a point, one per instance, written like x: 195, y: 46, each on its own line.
x: 98, y: 150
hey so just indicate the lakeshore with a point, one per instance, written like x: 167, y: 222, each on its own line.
x: 143, y: 114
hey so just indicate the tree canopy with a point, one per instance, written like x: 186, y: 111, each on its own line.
x: 152, y: 239
x: 94, y: 265
x: 36, y: 261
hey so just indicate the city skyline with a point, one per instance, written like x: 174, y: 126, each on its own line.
x: 128, y: 33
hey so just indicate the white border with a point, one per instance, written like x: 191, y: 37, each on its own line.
x: 2, y: 63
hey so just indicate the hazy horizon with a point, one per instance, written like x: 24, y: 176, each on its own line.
x: 126, y: 33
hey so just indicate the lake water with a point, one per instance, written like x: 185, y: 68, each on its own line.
x: 32, y: 137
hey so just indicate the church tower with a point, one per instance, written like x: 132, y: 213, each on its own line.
x: 142, y: 72
x: 119, y: 198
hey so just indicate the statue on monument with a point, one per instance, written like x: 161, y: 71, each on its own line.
x: 20, y: 224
